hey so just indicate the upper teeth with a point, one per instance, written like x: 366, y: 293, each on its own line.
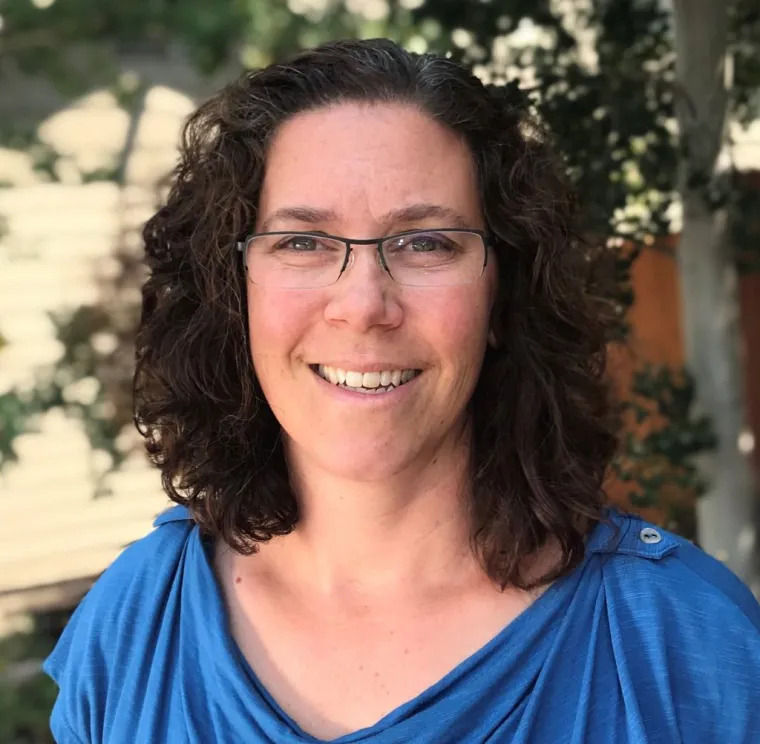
x: 370, y: 380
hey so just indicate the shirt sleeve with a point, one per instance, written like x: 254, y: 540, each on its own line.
x: 75, y: 670
x: 685, y: 633
x: 92, y: 657
x: 728, y: 647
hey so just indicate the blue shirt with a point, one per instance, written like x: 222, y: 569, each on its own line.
x: 649, y: 641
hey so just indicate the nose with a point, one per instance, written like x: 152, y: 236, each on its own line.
x: 365, y: 296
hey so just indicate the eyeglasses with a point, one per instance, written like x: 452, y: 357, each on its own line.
x: 417, y: 258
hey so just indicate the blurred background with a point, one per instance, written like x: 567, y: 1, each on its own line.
x: 655, y: 104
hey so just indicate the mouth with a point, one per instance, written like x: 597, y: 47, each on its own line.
x: 368, y: 383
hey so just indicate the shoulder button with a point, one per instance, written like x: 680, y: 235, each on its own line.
x: 650, y: 536
x: 627, y: 534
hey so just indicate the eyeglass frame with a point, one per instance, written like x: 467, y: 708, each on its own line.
x: 242, y: 245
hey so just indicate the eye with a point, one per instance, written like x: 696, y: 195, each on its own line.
x: 299, y: 243
x: 423, y: 243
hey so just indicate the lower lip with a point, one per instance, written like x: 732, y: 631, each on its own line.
x: 392, y: 396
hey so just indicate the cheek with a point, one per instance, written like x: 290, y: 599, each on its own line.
x: 277, y: 321
x: 455, y: 322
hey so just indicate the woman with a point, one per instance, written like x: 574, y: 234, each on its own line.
x: 373, y: 383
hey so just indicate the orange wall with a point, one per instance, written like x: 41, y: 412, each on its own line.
x: 655, y: 317
x: 656, y: 324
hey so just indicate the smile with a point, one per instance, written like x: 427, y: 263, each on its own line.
x: 370, y: 383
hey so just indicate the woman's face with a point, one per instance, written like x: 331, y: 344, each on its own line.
x: 352, y: 165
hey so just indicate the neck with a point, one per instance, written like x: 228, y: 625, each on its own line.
x: 401, y: 535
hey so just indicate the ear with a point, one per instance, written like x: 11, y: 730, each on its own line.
x: 492, y: 339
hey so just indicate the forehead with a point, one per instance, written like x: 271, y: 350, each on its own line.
x: 364, y: 160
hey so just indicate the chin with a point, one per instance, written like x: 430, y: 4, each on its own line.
x: 366, y: 463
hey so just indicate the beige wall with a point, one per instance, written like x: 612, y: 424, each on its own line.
x: 59, y: 238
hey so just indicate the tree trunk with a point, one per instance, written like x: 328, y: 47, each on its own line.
x: 727, y: 513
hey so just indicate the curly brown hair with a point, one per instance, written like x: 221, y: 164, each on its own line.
x: 543, y: 435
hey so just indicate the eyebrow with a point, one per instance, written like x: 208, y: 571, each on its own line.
x: 404, y: 215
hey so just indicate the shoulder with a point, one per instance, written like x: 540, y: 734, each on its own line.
x: 641, y: 560
x: 683, y: 628
x: 112, y: 623
x: 137, y: 578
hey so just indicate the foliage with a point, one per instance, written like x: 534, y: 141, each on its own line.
x: 744, y: 42
x: 661, y: 441
x: 26, y: 695
x: 25, y: 710
x: 15, y: 418
x: 40, y: 36
x: 601, y: 77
